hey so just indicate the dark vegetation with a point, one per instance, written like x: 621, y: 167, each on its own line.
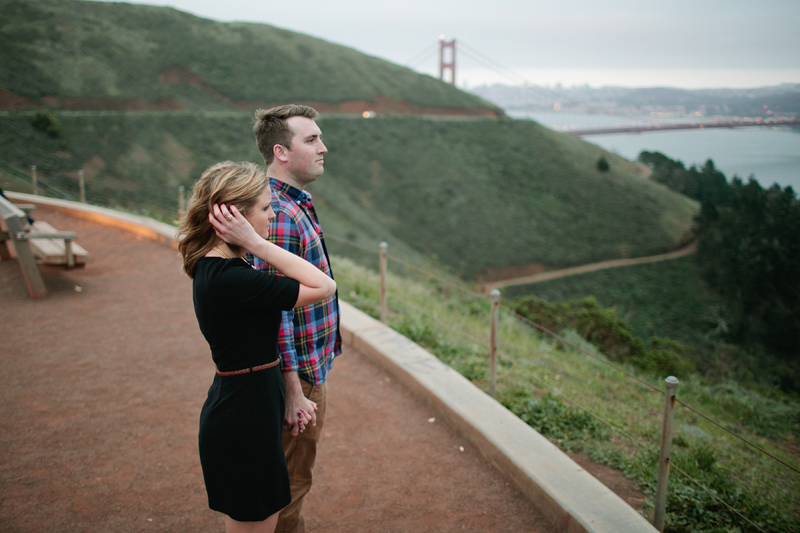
x: 735, y: 304
x: 749, y: 254
x: 609, y: 333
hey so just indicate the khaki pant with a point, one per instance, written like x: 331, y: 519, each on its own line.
x: 301, y: 451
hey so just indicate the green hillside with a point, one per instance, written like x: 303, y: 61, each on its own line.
x: 481, y: 196
x: 144, y: 98
x: 97, y: 55
x: 664, y: 299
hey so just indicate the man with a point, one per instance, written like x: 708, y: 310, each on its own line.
x: 291, y: 143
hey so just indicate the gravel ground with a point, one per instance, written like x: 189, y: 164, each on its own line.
x: 102, y: 384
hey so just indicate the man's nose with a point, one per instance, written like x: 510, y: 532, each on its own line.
x: 322, y: 148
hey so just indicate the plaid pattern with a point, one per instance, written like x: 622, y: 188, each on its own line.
x: 309, y: 337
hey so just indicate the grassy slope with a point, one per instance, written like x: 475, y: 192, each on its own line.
x: 490, y: 194
x: 455, y: 327
x: 666, y: 299
x: 477, y: 195
x: 82, y: 49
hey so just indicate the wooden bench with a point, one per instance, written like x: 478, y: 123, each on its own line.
x: 39, y: 241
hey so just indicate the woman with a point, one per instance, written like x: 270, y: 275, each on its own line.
x: 238, y: 310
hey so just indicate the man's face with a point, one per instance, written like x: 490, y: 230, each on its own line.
x: 305, y: 157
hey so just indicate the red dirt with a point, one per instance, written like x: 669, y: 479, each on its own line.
x: 382, y: 105
x: 101, y: 393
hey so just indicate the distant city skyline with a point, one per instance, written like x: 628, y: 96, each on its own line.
x: 681, y: 43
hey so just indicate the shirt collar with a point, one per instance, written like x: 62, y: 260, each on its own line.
x: 300, y: 197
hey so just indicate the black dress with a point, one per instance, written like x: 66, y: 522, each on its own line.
x: 241, y: 423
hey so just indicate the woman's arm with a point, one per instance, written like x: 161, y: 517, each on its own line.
x: 315, y: 285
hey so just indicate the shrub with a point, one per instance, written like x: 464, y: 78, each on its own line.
x: 609, y: 333
x: 46, y: 122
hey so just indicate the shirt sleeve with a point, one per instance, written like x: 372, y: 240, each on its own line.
x: 284, y: 232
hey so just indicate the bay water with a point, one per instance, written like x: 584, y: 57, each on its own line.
x: 769, y: 153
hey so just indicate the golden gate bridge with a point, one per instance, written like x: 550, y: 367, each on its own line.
x: 447, y: 65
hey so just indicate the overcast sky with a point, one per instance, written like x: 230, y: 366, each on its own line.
x: 681, y: 43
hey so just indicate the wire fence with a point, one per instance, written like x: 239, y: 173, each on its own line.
x: 506, y: 359
x: 72, y: 186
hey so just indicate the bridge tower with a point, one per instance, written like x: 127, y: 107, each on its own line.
x: 449, y: 65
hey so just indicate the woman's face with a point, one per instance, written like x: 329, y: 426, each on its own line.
x: 261, y: 214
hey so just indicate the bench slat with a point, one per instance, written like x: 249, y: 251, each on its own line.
x: 53, y: 251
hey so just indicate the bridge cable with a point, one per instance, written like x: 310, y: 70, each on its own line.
x: 425, y: 52
x: 474, y: 54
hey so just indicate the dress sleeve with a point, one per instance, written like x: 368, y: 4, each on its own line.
x: 254, y: 289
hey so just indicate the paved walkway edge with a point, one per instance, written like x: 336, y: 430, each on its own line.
x: 571, y: 498
x: 146, y: 227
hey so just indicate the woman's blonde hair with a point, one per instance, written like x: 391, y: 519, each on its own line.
x: 229, y: 183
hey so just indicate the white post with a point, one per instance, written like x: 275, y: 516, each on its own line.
x: 384, y: 307
x: 82, y: 186
x: 664, y: 455
x: 180, y: 202
x: 494, y: 298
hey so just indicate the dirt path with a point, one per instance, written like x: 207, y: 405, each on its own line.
x: 555, y: 274
x: 101, y: 392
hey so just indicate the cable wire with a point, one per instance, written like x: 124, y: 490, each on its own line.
x: 500, y: 69
x: 573, y: 345
x: 693, y: 480
x: 472, y: 336
x: 577, y: 404
x: 351, y: 243
x: 438, y: 278
x: 698, y: 413
x: 425, y: 52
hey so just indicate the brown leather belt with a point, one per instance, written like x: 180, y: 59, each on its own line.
x: 249, y: 370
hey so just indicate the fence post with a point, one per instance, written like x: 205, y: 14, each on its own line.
x: 384, y: 308
x: 33, y: 177
x: 494, y: 298
x: 180, y: 202
x: 666, y: 450
x: 81, y: 186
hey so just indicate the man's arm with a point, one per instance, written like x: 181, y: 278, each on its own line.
x: 285, y: 233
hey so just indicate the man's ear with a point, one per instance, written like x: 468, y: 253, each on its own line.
x: 279, y: 151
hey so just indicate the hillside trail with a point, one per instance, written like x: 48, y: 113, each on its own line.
x: 583, y: 269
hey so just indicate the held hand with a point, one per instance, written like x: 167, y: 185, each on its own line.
x: 232, y: 227
x: 299, y: 412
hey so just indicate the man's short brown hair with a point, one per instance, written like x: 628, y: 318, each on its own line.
x: 271, y: 128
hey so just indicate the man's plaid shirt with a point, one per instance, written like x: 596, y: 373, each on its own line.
x: 309, y: 337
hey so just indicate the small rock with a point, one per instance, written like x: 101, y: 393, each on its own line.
x: 78, y: 288
x: 461, y: 448
x: 432, y: 420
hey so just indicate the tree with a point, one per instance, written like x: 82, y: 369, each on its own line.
x: 749, y: 253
